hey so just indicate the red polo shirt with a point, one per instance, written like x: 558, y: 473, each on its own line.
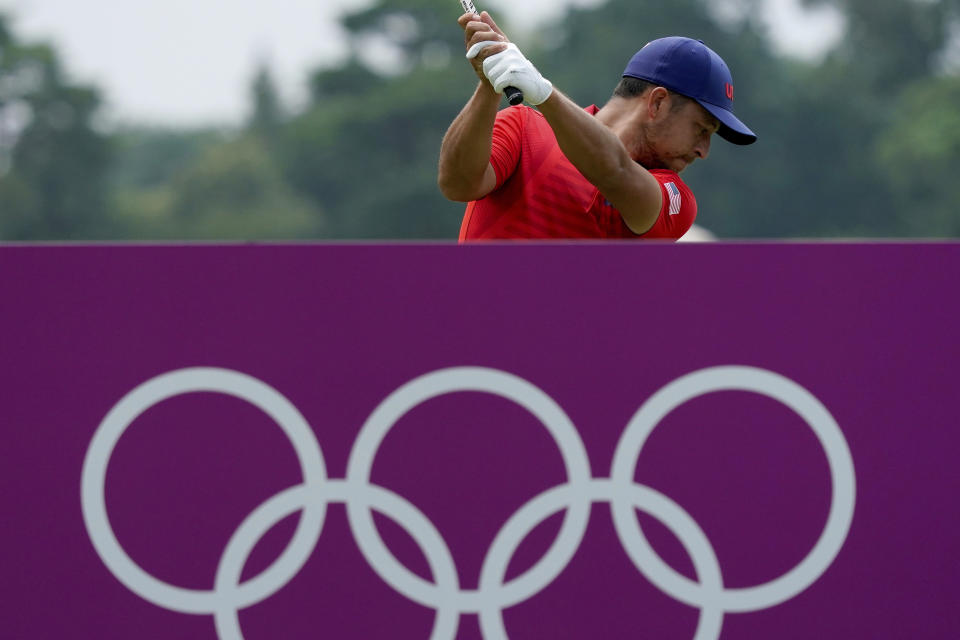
x: 540, y: 194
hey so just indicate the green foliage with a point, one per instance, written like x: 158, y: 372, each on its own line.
x: 233, y: 190
x: 919, y: 155
x: 367, y: 147
x: 352, y: 78
x: 889, y: 40
x: 370, y: 157
x: 151, y: 157
x: 413, y: 26
x: 53, y: 163
x: 267, y: 116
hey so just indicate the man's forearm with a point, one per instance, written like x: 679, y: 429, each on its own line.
x: 597, y: 153
x: 466, y: 147
x: 592, y: 147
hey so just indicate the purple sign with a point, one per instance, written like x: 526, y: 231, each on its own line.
x: 525, y: 441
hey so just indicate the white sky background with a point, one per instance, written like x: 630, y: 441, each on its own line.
x: 190, y: 62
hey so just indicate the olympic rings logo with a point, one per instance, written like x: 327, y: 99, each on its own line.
x: 444, y: 594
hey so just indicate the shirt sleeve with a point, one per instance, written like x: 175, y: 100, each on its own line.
x: 507, y: 132
x: 677, y: 214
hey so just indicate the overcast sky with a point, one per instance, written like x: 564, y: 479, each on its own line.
x: 188, y: 62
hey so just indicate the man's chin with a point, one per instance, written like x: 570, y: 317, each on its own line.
x: 676, y: 165
x: 655, y: 165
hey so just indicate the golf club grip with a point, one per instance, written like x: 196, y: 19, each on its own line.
x: 514, y: 95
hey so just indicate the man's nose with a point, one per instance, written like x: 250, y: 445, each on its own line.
x: 703, y: 149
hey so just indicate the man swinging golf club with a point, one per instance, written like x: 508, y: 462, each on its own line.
x: 561, y: 171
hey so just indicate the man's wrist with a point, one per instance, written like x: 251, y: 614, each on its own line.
x: 510, y: 68
x: 486, y: 94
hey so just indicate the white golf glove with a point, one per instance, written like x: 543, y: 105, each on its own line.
x: 511, y: 69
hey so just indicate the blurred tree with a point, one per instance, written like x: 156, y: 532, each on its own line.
x: 919, y: 155
x: 858, y: 101
x: 53, y: 163
x: 414, y: 30
x: 352, y: 78
x: 589, y: 47
x: 366, y: 149
x: 233, y: 190
x: 267, y: 113
x: 236, y: 191
x: 148, y: 157
x: 211, y: 184
x: 890, y: 41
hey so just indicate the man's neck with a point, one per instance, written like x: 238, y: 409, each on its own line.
x: 621, y: 115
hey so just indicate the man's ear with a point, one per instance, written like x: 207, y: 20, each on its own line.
x: 657, y: 102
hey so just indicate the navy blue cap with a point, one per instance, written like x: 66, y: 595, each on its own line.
x: 692, y: 69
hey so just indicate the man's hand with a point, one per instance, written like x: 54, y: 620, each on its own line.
x: 478, y: 29
x: 510, y: 68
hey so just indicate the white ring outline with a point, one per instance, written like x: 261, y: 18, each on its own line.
x: 537, y: 510
x: 285, y: 503
x: 492, y: 597
x: 460, y: 379
x: 802, y: 402
x: 122, y: 415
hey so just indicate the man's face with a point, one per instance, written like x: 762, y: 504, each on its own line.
x: 679, y: 136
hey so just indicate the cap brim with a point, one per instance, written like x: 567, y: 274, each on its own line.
x: 731, y: 129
